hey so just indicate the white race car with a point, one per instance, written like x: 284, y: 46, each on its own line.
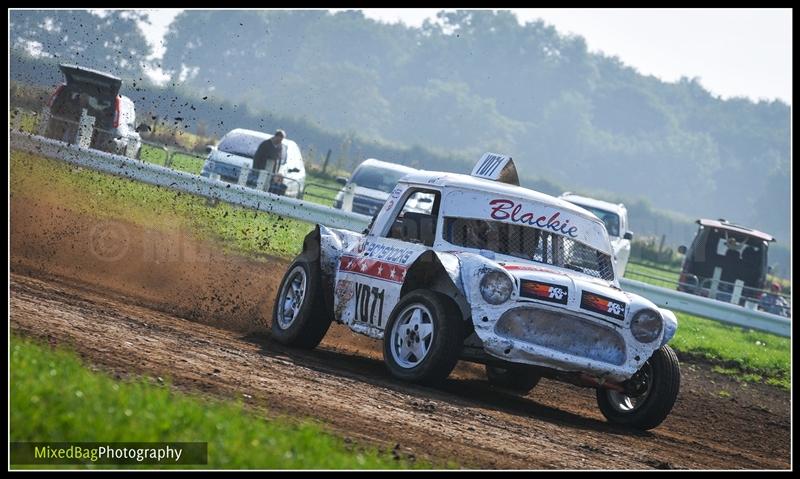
x: 491, y: 273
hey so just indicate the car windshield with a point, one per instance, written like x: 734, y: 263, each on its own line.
x: 240, y: 144
x: 528, y: 243
x: 609, y: 218
x: 377, y: 178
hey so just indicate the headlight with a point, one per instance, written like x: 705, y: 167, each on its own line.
x: 496, y: 287
x: 646, y: 326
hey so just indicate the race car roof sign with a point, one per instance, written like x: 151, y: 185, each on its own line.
x: 497, y: 167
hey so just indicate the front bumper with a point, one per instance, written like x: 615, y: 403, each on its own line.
x: 562, y: 341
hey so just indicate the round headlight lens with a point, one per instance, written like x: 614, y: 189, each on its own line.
x: 496, y: 287
x: 646, y: 326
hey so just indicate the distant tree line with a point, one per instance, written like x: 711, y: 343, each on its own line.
x: 438, y: 96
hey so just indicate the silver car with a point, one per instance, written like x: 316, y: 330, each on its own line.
x: 368, y: 188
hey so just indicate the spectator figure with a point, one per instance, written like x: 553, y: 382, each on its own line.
x: 772, y: 302
x: 268, y: 157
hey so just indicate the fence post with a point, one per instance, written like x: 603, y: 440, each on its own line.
x: 715, y: 282
x: 243, y: 173
x: 325, y: 163
x: 263, y: 175
x: 85, y: 129
x: 737, y: 291
x: 347, y: 200
x: 44, y: 121
x: 129, y: 149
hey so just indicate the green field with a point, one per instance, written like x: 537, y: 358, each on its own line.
x: 178, y: 161
x: 54, y: 397
x: 313, y: 189
x: 652, y: 274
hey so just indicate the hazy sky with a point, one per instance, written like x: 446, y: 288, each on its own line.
x: 734, y: 52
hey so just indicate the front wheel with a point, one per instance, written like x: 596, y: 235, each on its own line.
x: 517, y: 379
x: 423, y: 338
x: 299, y: 317
x: 650, y: 393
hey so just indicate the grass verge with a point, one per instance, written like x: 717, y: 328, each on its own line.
x: 748, y: 355
x: 54, y: 397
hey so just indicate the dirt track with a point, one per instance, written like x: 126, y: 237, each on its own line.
x: 199, y: 323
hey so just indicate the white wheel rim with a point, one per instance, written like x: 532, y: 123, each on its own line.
x: 292, y: 296
x: 412, y: 336
x: 627, y: 404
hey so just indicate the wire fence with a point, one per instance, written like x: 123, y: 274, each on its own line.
x: 729, y: 292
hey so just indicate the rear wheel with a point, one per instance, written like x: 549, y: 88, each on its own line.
x: 299, y: 317
x: 423, y: 338
x: 650, y: 393
x: 518, y: 379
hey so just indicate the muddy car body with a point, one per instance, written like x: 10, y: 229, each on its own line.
x: 492, y: 273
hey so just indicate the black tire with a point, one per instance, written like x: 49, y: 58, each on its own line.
x: 656, y: 402
x: 312, y: 320
x: 518, y: 379
x: 445, y: 340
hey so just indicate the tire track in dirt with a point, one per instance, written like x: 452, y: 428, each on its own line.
x: 464, y: 420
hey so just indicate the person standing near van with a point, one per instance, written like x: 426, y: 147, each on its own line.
x: 773, y: 302
x: 268, y: 157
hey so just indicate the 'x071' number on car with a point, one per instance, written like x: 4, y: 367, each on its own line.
x: 369, y: 300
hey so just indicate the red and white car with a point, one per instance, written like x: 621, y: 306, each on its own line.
x: 492, y: 273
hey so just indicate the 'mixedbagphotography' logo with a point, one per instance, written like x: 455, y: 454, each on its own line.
x: 109, y: 453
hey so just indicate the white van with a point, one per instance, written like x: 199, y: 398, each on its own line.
x: 236, y: 150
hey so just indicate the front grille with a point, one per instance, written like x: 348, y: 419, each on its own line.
x: 366, y: 206
x: 564, y: 333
